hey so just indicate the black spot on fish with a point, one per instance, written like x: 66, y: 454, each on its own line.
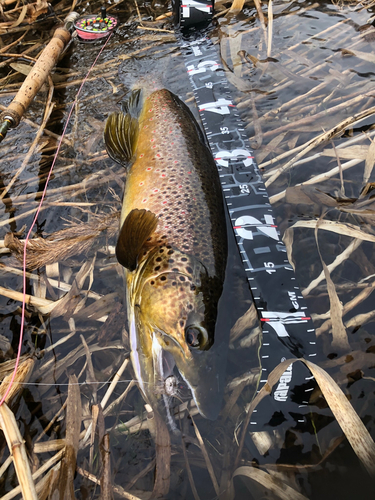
x: 163, y: 278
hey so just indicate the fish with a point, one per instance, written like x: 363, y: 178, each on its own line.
x: 173, y: 247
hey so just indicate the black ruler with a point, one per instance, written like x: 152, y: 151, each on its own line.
x: 287, y: 328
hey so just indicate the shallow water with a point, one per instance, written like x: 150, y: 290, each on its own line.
x: 313, y: 44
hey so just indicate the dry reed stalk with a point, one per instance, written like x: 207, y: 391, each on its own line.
x: 5, y: 465
x: 347, y: 143
x: 339, y: 336
x: 338, y: 260
x: 269, y: 482
x: 45, y: 306
x: 141, y: 474
x: 163, y: 457
x: 116, y: 489
x: 24, y: 53
x: 12, y: 44
x: 23, y: 374
x: 270, y: 28
x: 17, y: 449
x: 48, y: 446
x: 109, y: 410
x: 236, y: 6
x: 84, y: 436
x: 105, y: 479
x: 52, y: 461
x: 73, y: 425
x: 317, y: 178
x: 361, y: 297
x: 337, y: 227
x: 189, y: 473
x: 206, y: 458
x: 324, y: 137
x: 262, y: 20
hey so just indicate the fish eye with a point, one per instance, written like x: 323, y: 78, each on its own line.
x: 196, y: 337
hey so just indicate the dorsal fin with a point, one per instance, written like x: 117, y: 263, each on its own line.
x: 120, y: 137
x: 133, y: 103
x: 136, y: 229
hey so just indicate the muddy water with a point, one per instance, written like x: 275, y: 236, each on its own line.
x: 311, y: 73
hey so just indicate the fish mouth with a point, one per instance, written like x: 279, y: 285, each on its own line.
x: 200, y: 375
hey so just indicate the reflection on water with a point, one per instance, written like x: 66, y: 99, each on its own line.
x: 294, y: 77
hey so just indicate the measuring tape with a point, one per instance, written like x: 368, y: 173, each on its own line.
x: 287, y: 328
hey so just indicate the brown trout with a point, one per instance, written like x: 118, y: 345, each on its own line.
x: 173, y: 246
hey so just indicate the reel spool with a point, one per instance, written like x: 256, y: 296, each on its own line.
x: 94, y: 26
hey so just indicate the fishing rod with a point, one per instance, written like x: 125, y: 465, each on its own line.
x: 88, y: 29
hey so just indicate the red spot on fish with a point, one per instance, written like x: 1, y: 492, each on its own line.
x: 166, y: 227
x: 189, y: 172
x: 176, y: 161
x: 164, y: 202
x: 152, y: 140
x: 156, y: 190
x: 141, y: 183
x: 170, y: 131
x: 158, y: 155
x: 149, y: 168
x: 150, y: 110
x: 182, y: 213
x: 144, y: 200
x: 194, y: 199
x: 153, y: 147
x: 163, y: 175
x: 180, y: 187
x: 141, y: 156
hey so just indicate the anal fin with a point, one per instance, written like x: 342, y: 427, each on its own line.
x: 136, y: 229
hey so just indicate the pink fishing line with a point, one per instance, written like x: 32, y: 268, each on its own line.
x: 35, y: 219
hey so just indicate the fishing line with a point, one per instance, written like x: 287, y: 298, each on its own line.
x: 45, y: 384
x: 36, y: 217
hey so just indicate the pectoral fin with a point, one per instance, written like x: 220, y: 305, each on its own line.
x: 136, y: 229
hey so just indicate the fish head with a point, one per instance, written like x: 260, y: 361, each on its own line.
x: 178, y: 307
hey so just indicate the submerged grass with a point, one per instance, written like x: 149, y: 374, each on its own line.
x: 311, y: 118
